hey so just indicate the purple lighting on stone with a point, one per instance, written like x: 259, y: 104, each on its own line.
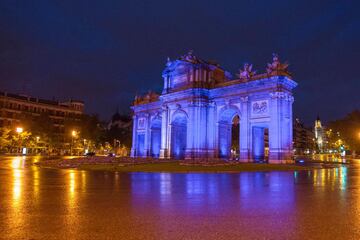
x: 194, y: 114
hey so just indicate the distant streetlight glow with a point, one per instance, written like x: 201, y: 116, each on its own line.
x: 73, y: 135
x: 19, y: 129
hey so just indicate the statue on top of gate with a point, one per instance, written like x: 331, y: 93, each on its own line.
x: 277, y: 68
x: 189, y: 57
x: 246, y: 73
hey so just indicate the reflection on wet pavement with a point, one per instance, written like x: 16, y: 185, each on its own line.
x: 41, y: 203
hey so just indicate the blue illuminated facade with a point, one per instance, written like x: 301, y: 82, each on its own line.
x: 192, y: 118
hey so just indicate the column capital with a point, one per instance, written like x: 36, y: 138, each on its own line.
x: 244, y: 99
x: 282, y: 95
x: 164, y: 107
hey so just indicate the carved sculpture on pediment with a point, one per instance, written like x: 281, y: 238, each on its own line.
x: 246, y: 73
x: 276, y: 67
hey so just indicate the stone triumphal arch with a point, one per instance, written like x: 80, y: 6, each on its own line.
x: 194, y: 116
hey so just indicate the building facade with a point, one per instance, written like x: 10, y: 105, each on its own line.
x: 304, y: 139
x: 320, y: 136
x: 14, y: 107
x: 192, y: 118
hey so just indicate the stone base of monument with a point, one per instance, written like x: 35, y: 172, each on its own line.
x: 207, y: 161
x: 245, y: 160
x: 283, y: 161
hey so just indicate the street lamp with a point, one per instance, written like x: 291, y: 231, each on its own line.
x: 37, y: 144
x: 73, y: 135
x: 19, y: 130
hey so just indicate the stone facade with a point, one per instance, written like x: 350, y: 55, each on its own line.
x: 14, y: 106
x: 192, y: 118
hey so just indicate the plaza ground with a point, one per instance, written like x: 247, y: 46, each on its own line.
x: 48, y: 203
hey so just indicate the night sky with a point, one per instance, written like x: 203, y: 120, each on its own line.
x: 104, y: 52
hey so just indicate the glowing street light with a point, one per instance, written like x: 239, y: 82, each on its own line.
x: 19, y: 130
x: 73, y: 134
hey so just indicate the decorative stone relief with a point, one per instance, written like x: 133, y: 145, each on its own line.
x: 141, y: 123
x: 260, y: 108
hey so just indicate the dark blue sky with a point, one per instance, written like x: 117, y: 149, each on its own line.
x: 103, y: 52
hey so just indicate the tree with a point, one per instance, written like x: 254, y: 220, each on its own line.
x: 348, y: 129
x: 5, y: 139
x: 120, y: 129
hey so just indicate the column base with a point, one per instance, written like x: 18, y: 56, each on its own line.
x: 288, y: 161
x: 132, y: 153
x: 281, y: 157
x: 164, y: 154
x: 244, y: 157
x: 199, y: 154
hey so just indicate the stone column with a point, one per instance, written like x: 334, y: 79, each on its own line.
x: 133, y: 152
x: 245, y: 133
x: 211, y: 131
x: 290, y: 102
x: 190, y: 135
x: 201, y: 126
x: 164, y: 150
x: 147, y: 136
x: 280, y: 136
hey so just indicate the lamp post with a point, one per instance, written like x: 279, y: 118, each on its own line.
x: 19, y: 130
x: 84, y: 147
x: 73, y: 134
x: 37, y: 144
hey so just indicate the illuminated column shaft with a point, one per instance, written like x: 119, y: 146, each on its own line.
x: 216, y: 139
x: 147, y: 136
x: 244, y: 131
x: 190, y: 135
x: 196, y: 146
x: 164, y: 150
x: 290, y: 102
x: 211, y: 131
x: 202, y: 146
x: 134, y: 133
x: 280, y: 137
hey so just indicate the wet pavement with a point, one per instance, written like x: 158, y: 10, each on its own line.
x: 40, y: 203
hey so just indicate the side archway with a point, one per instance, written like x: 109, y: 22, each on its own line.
x: 178, y: 135
x: 155, y: 137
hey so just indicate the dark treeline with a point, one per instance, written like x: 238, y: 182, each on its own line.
x: 349, y: 129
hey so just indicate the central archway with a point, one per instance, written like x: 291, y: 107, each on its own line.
x: 229, y: 133
x: 178, y: 135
